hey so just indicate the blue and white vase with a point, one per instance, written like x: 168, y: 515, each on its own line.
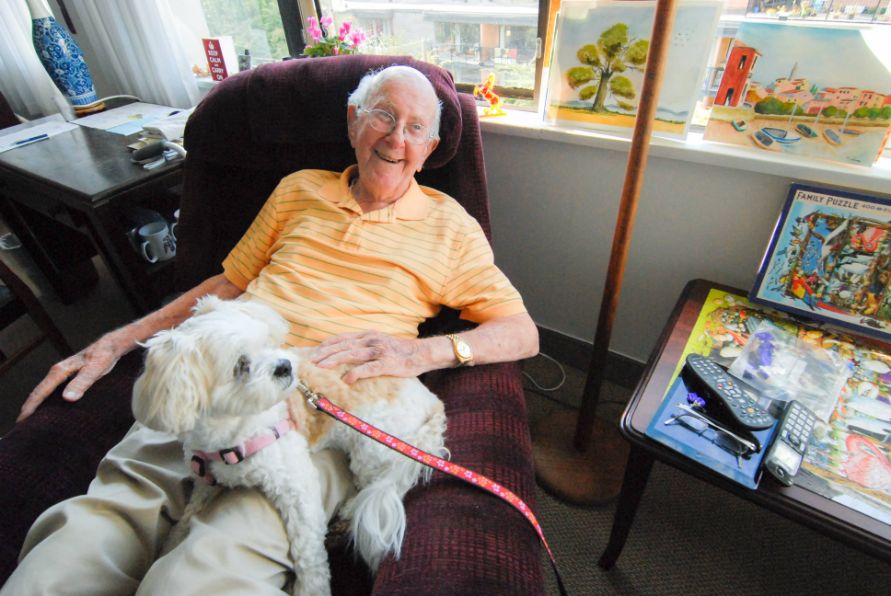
x: 61, y: 56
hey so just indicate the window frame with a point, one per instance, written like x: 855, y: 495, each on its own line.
x: 291, y: 14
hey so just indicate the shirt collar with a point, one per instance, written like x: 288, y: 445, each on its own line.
x: 414, y: 205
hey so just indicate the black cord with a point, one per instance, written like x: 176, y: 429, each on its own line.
x: 546, y: 392
x: 559, y: 367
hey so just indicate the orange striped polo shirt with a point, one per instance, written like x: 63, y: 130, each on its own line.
x: 329, y: 268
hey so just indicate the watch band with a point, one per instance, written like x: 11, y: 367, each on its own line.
x: 462, y: 350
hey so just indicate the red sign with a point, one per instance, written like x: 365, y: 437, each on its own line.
x: 215, y: 63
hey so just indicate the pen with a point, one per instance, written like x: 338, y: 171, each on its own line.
x: 31, y: 140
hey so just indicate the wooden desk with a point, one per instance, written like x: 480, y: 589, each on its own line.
x: 77, y: 185
x: 796, y: 503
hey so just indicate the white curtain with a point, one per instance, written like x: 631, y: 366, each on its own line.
x: 139, y: 48
x: 23, y: 80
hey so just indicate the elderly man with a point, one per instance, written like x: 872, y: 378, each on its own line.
x: 384, y: 255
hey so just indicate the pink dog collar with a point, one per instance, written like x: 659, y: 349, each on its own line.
x: 238, y: 453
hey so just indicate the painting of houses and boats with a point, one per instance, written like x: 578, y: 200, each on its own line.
x: 813, y: 91
x: 598, y: 61
x: 830, y: 260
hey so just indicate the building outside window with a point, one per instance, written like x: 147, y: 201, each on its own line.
x: 869, y: 11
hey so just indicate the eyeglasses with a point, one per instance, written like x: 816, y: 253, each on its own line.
x: 720, y: 436
x: 385, y: 122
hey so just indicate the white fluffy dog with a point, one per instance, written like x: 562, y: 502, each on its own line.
x: 223, y: 385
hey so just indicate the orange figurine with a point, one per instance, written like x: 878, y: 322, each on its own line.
x: 487, y: 91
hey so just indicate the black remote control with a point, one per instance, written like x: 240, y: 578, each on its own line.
x: 723, y: 394
x: 787, y: 450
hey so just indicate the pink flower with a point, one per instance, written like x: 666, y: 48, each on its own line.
x: 313, y: 29
x: 344, y: 30
x: 357, y: 37
x: 324, y: 42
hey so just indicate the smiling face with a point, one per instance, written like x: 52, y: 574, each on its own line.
x: 386, y: 161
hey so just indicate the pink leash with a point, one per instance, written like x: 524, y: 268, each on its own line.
x: 322, y: 403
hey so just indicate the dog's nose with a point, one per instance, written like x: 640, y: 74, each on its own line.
x: 282, y: 368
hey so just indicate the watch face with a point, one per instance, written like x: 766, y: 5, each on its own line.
x: 463, y: 350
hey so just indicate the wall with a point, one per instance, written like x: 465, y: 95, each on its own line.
x: 554, y: 209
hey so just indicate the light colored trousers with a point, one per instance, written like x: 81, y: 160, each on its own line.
x: 107, y: 541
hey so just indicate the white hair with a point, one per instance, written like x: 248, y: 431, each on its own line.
x: 369, y: 89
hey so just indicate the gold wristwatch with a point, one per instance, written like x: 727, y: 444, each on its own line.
x: 462, y: 350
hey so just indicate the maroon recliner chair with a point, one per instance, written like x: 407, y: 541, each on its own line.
x: 250, y: 131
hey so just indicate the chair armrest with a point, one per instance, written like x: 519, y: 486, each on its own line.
x: 53, y: 454
x: 459, y: 538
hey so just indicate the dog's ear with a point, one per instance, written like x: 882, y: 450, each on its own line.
x: 172, y: 389
x: 205, y: 304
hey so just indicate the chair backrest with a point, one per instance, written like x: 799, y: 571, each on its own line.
x: 263, y: 124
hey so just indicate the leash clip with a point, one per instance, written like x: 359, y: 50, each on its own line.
x: 311, y: 396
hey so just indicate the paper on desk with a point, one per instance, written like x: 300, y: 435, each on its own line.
x: 171, y: 127
x: 126, y: 120
x: 49, y: 126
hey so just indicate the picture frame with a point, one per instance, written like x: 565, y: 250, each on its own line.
x: 597, y: 63
x: 829, y: 260
x: 815, y: 91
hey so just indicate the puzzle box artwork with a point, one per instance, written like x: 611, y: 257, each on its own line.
x: 828, y: 260
x: 599, y: 57
x: 806, y: 90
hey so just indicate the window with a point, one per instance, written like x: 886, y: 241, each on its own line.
x: 254, y: 25
x: 475, y: 38
x: 470, y: 38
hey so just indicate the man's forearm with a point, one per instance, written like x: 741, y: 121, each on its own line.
x: 500, y: 340
x: 174, y: 312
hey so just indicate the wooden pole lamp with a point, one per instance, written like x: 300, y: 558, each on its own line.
x: 587, y: 468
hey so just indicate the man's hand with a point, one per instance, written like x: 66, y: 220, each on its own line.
x: 377, y: 354
x: 96, y: 360
x: 87, y: 366
x: 374, y: 354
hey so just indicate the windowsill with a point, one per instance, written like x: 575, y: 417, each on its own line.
x: 528, y: 125
x: 205, y: 84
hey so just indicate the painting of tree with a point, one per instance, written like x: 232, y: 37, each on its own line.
x: 598, y: 59
x: 603, y: 62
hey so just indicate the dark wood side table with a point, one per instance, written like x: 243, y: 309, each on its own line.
x: 796, y: 503
x: 69, y: 194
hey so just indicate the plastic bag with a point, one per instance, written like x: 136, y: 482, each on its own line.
x: 783, y: 367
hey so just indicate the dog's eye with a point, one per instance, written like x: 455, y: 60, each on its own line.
x: 242, y: 367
